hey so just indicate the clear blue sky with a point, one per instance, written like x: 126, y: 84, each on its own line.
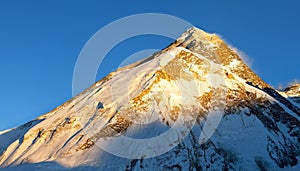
x: 41, y: 40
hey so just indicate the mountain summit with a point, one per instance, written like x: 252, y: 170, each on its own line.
x: 195, y: 105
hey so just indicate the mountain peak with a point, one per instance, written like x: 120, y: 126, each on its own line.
x: 197, y: 77
x: 195, y: 34
x: 293, y: 90
x: 212, y: 47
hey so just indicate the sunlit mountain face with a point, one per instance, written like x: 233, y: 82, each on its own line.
x: 223, y: 117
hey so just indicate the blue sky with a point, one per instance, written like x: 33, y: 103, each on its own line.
x: 41, y: 40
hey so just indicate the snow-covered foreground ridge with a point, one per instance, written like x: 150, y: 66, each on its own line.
x: 196, y: 77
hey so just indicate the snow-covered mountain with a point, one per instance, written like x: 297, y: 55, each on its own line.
x: 293, y: 92
x: 195, y: 78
